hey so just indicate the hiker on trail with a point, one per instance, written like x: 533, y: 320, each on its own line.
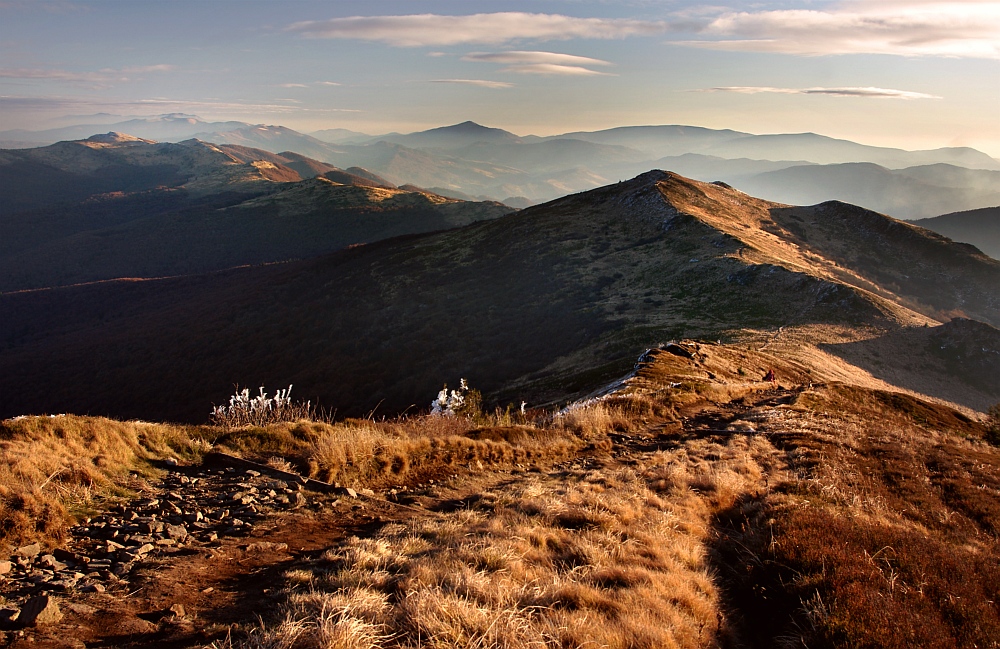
x: 771, y: 377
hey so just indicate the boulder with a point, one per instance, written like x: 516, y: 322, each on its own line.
x: 28, y: 551
x: 39, y: 610
x: 176, y: 532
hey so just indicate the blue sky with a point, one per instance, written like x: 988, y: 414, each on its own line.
x: 908, y: 73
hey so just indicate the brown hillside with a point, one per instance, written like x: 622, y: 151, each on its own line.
x: 543, y: 304
x: 186, y: 227
x: 696, y: 507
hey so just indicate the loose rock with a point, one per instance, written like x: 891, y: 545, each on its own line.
x: 39, y: 610
x: 28, y: 551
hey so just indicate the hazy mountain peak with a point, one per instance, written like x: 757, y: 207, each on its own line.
x: 469, y: 125
x: 454, y: 136
x: 115, y: 137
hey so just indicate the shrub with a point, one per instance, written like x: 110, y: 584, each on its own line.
x: 462, y: 402
x: 261, y: 410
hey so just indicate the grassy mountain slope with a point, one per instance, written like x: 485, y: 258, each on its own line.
x: 301, y: 220
x: 695, y: 507
x: 979, y: 227
x: 73, y: 171
x: 545, y: 303
x: 164, y: 210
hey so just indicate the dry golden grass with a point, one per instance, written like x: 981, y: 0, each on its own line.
x: 594, y: 553
x: 376, y: 454
x: 728, y: 512
x: 586, y: 559
x: 52, y: 466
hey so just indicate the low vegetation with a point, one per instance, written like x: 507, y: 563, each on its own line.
x: 885, y: 532
x: 55, y: 468
x: 696, y: 507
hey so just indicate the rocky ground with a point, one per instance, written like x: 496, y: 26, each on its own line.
x: 143, y: 573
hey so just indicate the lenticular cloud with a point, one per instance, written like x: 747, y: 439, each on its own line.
x: 868, y: 92
x: 494, y: 28
x: 904, y: 28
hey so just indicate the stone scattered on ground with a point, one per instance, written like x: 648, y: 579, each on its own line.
x: 38, y: 611
x: 188, y: 509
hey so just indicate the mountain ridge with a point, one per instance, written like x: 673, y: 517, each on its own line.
x: 546, y: 304
x: 979, y: 227
x: 477, y: 160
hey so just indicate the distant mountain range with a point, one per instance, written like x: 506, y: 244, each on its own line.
x: 544, y: 304
x: 468, y: 159
x: 118, y: 206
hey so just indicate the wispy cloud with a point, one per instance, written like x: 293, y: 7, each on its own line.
x: 159, y: 105
x: 101, y: 77
x: 554, y: 69
x: 551, y: 63
x: 875, y: 93
x: 307, y: 85
x: 484, y: 83
x: 962, y: 28
x: 420, y: 30
x: 522, y: 57
x: 235, y: 106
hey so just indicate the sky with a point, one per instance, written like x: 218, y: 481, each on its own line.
x: 908, y: 73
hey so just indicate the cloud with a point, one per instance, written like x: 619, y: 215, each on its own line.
x: 421, y: 30
x: 553, y: 69
x: 159, y: 104
x: 306, y: 85
x: 532, y: 57
x: 244, y: 107
x: 103, y: 77
x: 963, y: 28
x: 550, y: 63
x: 476, y: 82
x: 876, y: 93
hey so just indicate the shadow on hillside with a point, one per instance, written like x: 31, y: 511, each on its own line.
x: 758, y: 608
x: 958, y: 361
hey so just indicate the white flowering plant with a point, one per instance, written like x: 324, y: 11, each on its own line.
x: 462, y: 402
x: 260, y: 410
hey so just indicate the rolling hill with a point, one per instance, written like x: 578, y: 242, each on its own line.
x: 136, y: 208
x: 474, y: 160
x: 171, y: 127
x: 979, y: 227
x: 544, y: 304
x: 116, y: 162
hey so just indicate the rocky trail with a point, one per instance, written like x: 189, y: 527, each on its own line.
x: 208, y: 546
